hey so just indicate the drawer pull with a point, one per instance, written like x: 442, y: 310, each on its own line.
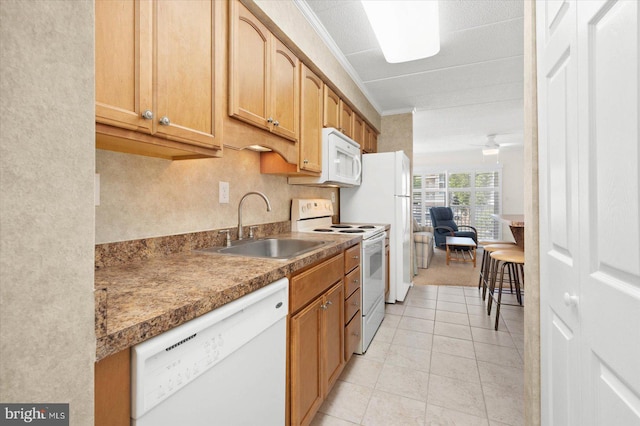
x: 356, y: 257
x: 326, y: 305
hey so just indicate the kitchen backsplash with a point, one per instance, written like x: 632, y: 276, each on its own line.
x: 144, y: 197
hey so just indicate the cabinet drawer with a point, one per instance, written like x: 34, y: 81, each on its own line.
x: 352, y: 336
x: 351, y: 258
x: 352, y: 282
x: 352, y: 305
x: 312, y: 282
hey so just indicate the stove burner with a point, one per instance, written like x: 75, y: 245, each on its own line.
x: 366, y: 227
x: 323, y: 230
x: 352, y: 231
x: 341, y: 226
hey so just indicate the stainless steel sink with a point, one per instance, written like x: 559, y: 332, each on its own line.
x: 271, y: 248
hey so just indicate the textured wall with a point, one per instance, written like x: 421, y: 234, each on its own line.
x: 144, y: 197
x: 397, y: 134
x: 47, y: 341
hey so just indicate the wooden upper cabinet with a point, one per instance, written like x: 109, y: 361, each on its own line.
x: 286, y: 91
x: 159, y: 73
x: 370, y: 139
x: 331, y: 114
x: 346, y: 119
x: 123, y: 32
x: 185, y: 65
x: 311, y: 101
x: 263, y: 76
x: 358, y: 130
x: 337, y: 113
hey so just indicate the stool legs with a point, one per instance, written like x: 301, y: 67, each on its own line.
x: 515, y: 272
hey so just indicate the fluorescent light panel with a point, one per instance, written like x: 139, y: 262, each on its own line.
x: 406, y: 30
x: 490, y: 151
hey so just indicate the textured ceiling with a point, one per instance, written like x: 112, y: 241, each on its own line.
x: 472, y: 88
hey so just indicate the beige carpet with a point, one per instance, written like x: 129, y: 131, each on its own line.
x: 457, y: 273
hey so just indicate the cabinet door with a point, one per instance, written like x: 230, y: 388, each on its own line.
x: 333, y: 333
x: 285, y: 80
x: 123, y: 59
x: 310, y: 121
x: 346, y: 119
x: 305, y: 361
x: 331, y: 108
x: 368, y: 131
x: 113, y: 390
x: 186, y: 40
x: 249, y: 67
x: 358, y: 130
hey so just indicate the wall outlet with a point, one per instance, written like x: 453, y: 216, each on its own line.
x: 223, y: 192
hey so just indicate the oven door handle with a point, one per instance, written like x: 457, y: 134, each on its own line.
x: 374, y: 240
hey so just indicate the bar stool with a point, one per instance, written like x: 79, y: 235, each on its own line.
x: 485, y: 265
x: 513, y: 260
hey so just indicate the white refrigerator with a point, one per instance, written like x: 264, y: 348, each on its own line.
x: 384, y: 196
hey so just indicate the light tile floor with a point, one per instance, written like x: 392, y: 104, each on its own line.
x: 436, y: 360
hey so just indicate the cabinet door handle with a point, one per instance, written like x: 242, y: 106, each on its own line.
x: 356, y: 257
x: 270, y: 120
x: 276, y: 123
x: 326, y: 305
x: 165, y: 121
x: 306, y: 161
x: 147, y: 114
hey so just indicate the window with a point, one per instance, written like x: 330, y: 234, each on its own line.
x: 472, y: 195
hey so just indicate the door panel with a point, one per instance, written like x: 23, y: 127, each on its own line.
x: 588, y: 63
x: 608, y: 39
x: 558, y: 174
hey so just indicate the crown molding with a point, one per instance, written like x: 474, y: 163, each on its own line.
x: 315, y: 23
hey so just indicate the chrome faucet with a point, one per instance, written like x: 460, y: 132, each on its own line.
x: 266, y: 200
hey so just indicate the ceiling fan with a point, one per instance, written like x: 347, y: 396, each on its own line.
x: 491, y: 147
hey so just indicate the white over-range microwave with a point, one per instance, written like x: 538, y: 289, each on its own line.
x: 341, y: 162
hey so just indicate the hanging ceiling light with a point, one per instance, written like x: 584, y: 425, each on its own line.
x: 406, y: 30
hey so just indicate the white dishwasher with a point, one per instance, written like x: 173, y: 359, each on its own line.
x: 227, y: 367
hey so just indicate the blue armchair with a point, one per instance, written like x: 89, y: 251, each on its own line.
x: 444, y: 226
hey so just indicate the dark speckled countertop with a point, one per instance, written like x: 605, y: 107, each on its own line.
x: 143, y: 299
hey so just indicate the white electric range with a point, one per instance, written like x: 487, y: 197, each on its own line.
x: 314, y: 215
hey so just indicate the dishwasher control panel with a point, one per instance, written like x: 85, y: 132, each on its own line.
x: 166, y: 363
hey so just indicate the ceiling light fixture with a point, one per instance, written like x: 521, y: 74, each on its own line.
x: 406, y: 29
x: 491, y: 147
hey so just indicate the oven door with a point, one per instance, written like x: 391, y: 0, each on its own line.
x: 373, y: 272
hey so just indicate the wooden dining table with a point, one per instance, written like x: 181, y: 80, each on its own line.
x: 516, y: 224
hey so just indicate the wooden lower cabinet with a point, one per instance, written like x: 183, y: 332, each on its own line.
x: 317, y: 342
x: 112, y: 390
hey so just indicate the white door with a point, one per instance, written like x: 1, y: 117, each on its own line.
x: 588, y: 95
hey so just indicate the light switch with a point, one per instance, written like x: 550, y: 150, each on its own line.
x: 223, y: 193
